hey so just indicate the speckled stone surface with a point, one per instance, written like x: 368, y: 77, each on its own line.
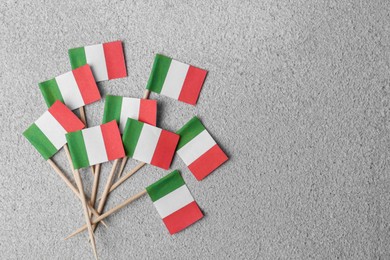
x: 297, y: 95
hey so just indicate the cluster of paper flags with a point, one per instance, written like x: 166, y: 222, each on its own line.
x: 129, y: 125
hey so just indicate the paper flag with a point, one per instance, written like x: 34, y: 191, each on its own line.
x: 198, y: 149
x: 75, y: 88
x: 174, y: 202
x: 149, y: 144
x: 106, y: 60
x: 95, y: 145
x: 120, y: 108
x: 47, y: 134
x: 175, y: 79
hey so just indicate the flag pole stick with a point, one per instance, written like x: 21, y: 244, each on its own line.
x: 95, y: 184
x: 123, y: 164
x: 83, y: 199
x: 86, y: 214
x: 109, y: 212
x: 83, y: 116
x: 107, y: 189
x: 84, y: 203
x: 70, y: 185
x: 146, y: 94
x: 124, y: 178
x: 66, y: 147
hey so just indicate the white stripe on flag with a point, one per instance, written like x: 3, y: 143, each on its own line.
x: 147, y: 143
x: 94, y: 144
x: 196, y: 147
x: 130, y: 108
x: 173, y: 201
x: 175, y: 78
x: 97, y: 61
x: 52, y: 129
x: 70, y: 90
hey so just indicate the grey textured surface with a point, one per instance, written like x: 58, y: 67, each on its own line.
x: 297, y: 95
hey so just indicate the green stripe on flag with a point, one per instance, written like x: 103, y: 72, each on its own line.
x: 165, y: 185
x: 112, y: 109
x: 189, y: 131
x: 50, y: 91
x: 77, y: 57
x: 77, y: 149
x: 159, y: 73
x: 39, y: 140
x: 131, y: 135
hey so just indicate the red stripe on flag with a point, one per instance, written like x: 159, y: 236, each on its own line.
x: 87, y: 85
x: 112, y: 140
x: 182, y: 218
x: 192, y: 85
x: 115, y: 60
x: 165, y: 149
x: 69, y: 121
x: 208, y: 162
x: 148, y: 111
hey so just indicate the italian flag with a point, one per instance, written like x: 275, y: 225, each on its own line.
x: 175, y: 79
x: 174, y: 202
x: 75, y: 88
x: 149, y: 144
x: 47, y: 134
x: 95, y: 145
x: 120, y: 108
x: 198, y: 149
x: 106, y: 60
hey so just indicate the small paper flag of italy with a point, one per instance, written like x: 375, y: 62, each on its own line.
x: 149, y: 144
x: 198, y: 149
x: 175, y: 79
x: 121, y: 108
x: 47, y: 134
x: 106, y: 60
x: 95, y: 145
x: 174, y: 202
x: 75, y: 88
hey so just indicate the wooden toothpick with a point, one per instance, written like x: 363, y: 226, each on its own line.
x: 83, y: 116
x: 70, y: 185
x: 86, y: 214
x: 123, y: 164
x: 107, y: 189
x: 109, y: 212
x: 126, y: 176
x: 95, y: 185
